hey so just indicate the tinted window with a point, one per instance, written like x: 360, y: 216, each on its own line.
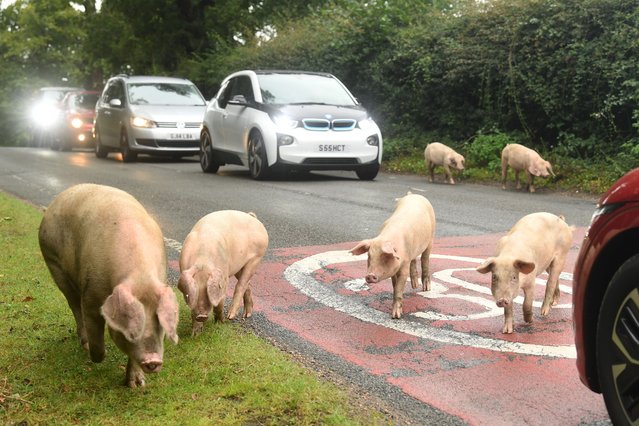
x: 303, y: 88
x: 114, y: 91
x: 84, y: 101
x: 164, y: 94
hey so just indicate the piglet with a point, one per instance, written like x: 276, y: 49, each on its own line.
x: 408, y: 233
x: 107, y: 256
x: 538, y: 242
x: 221, y: 244
x: 438, y: 154
x: 521, y: 158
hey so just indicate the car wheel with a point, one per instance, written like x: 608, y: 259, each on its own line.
x: 100, y: 150
x: 207, y: 162
x: 258, y: 164
x: 368, y: 172
x: 618, y: 344
x: 128, y: 155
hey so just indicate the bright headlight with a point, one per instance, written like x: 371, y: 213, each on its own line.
x: 284, y: 121
x: 142, y: 122
x: 366, y: 124
x: 76, y: 123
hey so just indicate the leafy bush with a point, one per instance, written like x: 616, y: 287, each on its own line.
x: 485, y: 150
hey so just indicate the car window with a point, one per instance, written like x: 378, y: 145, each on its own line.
x: 242, y: 86
x: 164, y: 94
x: 84, y: 101
x: 225, y: 93
x: 303, y: 88
x: 114, y: 91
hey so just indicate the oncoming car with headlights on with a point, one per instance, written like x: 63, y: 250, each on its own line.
x: 148, y: 115
x: 273, y: 121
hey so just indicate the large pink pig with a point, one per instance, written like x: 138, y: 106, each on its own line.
x: 538, y: 242
x: 220, y: 245
x: 408, y: 233
x: 438, y: 154
x: 521, y: 158
x: 107, y: 256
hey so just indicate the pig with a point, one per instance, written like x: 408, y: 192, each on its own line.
x: 406, y: 234
x: 438, y: 154
x: 521, y: 158
x: 221, y: 244
x: 107, y: 256
x: 538, y: 242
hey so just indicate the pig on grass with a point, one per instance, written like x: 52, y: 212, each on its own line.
x: 220, y: 245
x: 538, y: 242
x: 408, y: 233
x: 521, y: 158
x: 438, y: 154
x: 107, y: 256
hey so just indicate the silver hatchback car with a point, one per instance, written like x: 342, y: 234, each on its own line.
x: 288, y: 120
x: 148, y: 115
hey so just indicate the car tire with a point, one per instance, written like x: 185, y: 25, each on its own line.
x: 258, y: 162
x: 618, y: 344
x: 207, y: 160
x: 100, y: 150
x: 128, y: 155
x: 368, y: 172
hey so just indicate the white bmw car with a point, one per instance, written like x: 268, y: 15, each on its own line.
x: 274, y: 121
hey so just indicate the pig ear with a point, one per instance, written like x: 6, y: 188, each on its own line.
x: 533, y: 170
x: 360, y: 248
x: 389, y: 249
x: 215, y: 286
x: 524, y: 267
x: 168, y: 313
x: 124, y: 313
x: 186, y: 284
x: 487, y: 266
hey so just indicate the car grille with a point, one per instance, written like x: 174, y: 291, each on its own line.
x: 331, y: 161
x: 322, y: 124
x: 167, y: 143
x: 174, y: 125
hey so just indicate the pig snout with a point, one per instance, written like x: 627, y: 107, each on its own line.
x: 152, y: 364
x: 201, y: 317
x: 503, y: 302
x: 372, y: 278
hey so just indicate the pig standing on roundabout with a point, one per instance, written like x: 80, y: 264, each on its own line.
x: 538, y: 242
x: 106, y: 254
x: 408, y: 233
x: 220, y: 245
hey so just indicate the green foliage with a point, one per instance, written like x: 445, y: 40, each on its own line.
x: 225, y: 376
x: 484, y: 151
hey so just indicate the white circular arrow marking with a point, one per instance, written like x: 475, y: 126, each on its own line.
x: 300, y: 275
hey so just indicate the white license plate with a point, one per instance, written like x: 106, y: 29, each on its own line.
x: 181, y: 136
x: 332, y: 148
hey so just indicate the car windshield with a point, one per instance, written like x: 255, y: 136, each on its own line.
x: 52, y: 96
x: 84, y: 101
x: 302, y: 89
x: 164, y: 94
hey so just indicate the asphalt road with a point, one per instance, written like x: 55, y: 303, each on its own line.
x: 330, y: 209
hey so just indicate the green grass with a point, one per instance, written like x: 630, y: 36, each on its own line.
x: 225, y: 376
x: 571, y: 175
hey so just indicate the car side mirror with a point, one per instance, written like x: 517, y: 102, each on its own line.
x: 116, y: 103
x: 238, y: 100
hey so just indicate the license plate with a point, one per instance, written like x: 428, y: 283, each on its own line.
x: 181, y: 136
x: 332, y: 148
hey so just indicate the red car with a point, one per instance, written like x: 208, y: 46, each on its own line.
x: 75, y: 127
x: 606, y: 301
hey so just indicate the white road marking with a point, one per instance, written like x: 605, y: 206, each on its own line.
x: 300, y: 275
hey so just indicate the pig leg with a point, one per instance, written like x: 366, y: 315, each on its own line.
x: 243, y: 277
x: 134, y: 375
x: 196, y: 326
x: 552, y: 288
x: 426, y: 269
x: 508, y: 319
x: 517, y: 182
x: 449, y: 175
x: 218, y: 312
x: 531, y: 186
x: 529, y: 296
x: 431, y: 171
x: 73, y: 300
x: 399, y: 281
x: 94, y: 327
x: 504, y: 173
x: 413, y: 273
x: 248, y: 302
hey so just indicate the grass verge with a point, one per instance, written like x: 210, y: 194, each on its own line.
x: 226, y: 376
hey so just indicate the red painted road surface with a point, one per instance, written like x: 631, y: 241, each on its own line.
x: 447, y: 350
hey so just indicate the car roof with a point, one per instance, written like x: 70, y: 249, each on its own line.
x: 152, y: 79
x: 59, y: 88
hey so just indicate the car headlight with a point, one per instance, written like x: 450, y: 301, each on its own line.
x: 283, y: 139
x: 372, y: 140
x: 142, y: 122
x: 366, y: 124
x: 76, y: 123
x: 284, y: 121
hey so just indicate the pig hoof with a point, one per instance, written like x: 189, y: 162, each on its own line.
x: 545, y: 310
x: 528, y: 318
x: 508, y: 329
